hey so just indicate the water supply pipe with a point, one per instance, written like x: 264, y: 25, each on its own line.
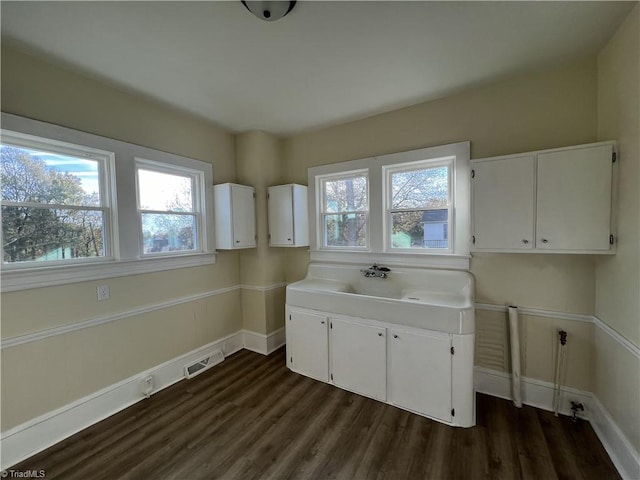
x: 562, y: 337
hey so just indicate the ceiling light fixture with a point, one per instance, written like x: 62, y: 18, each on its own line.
x: 269, y: 11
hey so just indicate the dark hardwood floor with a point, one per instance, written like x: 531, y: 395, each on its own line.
x: 251, y: 418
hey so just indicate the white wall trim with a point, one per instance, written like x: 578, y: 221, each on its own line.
x: 576, y: 317
x: 33, y: 436
x: 622, y: 453
x: 539, y: 394
x: 27, y: 278
x: 261, y: 343
x: 51, y: 332
x: 536, y: 312
x: 113, y: 317
x: 536, y: 393
x: 634, y: 349
x: 268, y: 288
x: 455, y: 262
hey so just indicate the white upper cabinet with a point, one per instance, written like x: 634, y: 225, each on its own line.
x: 235, y: 216
x: 574, y: 199
x: 498, y: 184
x: 288, y: 218
x: 551, y: 201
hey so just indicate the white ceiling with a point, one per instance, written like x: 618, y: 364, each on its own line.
x: 325, y: 63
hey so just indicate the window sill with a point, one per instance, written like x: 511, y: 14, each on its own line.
x: 24, y: 279
x: 431, y: 260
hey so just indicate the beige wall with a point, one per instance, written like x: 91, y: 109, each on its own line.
x: 618, y: 277
x: 539, y: 347
x: 578, y: 103
x: 41, y: 376
x: 617, y: 377
x: 35, y: 89
x: 259, y: 162
x: 536, y: 111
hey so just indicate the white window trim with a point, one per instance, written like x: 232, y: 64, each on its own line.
x: 320, y: 213
x: 125, y: 258
x: 106, y: 166
x: 199, y: 205
x: 387, y: 172
x: 377, y: 252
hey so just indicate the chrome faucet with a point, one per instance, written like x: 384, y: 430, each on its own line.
x: 376, y: 272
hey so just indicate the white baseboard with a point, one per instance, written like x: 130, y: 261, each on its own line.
x: 622, y: 453
x: 539, y: 394
x: 38, y: 434
x: 536, y: 393
x: 31, y: 437
x: 261, y: 343
x: 23, y: 441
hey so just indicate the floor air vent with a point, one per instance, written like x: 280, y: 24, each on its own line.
x: 203, y: 364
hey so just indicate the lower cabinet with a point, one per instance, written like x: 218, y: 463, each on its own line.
x: 426, y: 372
x: 420, y: 373
x: 308, y: 344
x: 358, y: 358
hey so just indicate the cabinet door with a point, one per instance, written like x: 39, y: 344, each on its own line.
x: 358, y: 358
x: 420, y: 373
x: 503, y: 198
x: 308, y: 344
x: 300, y: 216
x: 244, y: 216
x: 281, y: 215
x: 574, y: 199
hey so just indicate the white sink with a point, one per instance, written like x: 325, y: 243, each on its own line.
x: 440, y: 300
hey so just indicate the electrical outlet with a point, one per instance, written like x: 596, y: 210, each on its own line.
x: 103, y: 292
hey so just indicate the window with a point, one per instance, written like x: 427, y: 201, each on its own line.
x: 169, y: 208
x: 56, y: 202
x: 418, y: 205
x: 61, y: 222
x: 407, y: 208
x: 345, y: 210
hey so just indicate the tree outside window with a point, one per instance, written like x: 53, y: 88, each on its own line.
x: 345, y: 211
x: 418, y: 207
x: 52, y: 208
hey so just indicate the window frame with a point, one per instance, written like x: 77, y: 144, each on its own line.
x: 125, y: 258
x: 197, y: 195
x: 387, y: 175
x: 322, y: 213
x: 106, y: 176
x: 456, y: 257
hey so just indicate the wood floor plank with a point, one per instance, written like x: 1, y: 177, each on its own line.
x: 251, y: 418
x: 533, y: 450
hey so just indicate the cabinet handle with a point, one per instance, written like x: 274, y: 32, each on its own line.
x: 288, y: 239
x: 525, y: 241
x: 544, y: 240
x: 379, y: 334
x: 395, y: 336
x: 237, y: 241
x: 322, y: 322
